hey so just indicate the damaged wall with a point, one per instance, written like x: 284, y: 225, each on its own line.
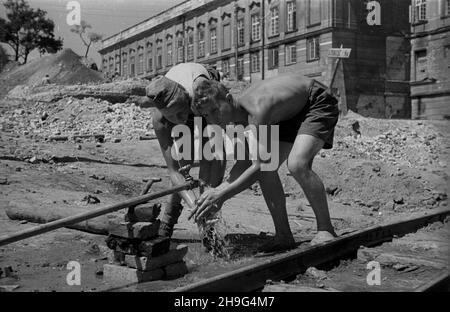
x: 377, y: 72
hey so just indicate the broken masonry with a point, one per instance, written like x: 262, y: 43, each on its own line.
x: 140, y: 255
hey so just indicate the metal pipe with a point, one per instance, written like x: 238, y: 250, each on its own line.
x: 47, y: 227
x: 263, y: 38
x: 183, y: 23
x: 333, y: 75
x: 236, y: 40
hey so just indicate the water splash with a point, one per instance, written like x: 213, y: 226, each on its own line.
x: 212, y: 232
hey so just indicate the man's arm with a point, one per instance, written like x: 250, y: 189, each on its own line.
x: 141, y: 101
x: 165, y: 140
x: 211, y: 172
x: 240, y: 168
x: 242, y: 175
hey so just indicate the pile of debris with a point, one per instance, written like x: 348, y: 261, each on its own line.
x: 64, y: 67
x: 407, y: 143
x: 73, y: 118
x: 61, y: 112
x: 113, y: 92
x: 140, y: 255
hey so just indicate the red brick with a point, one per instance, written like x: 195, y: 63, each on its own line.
x: 149, y: 248
x: 154, y: 247
x: 147, y: 212
x: 138, y: 230
x: 151, y: 263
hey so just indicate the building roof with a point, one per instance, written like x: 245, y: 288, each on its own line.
x: 154, y: 21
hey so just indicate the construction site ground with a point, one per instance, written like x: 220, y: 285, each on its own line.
x: 406, y: 263
x: 378, y: 171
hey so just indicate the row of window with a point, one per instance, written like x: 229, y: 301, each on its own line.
x: 419, y: 12
x: 255, y: 35
x: 312, y: 54
x: 274, y: 22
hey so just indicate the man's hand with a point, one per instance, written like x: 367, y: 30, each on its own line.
x: 141, y: 101
x: 208, y: 204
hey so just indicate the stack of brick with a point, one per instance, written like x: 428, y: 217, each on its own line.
x: 140, y: 255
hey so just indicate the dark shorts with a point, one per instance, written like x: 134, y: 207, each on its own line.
x: 318, y: 118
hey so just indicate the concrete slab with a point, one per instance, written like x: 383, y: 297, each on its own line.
x: 125, y: 275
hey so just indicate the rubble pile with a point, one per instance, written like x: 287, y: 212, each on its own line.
x: 383, y: 166
x: 394, y: 146
x: 57, y: 113
x: 64, y: 67
x: 409, y: 143
x: 72, y: 118
x: 379, y: 164
x: 113, y: 92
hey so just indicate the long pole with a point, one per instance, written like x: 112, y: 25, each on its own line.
x: 263, y: 39
x: 236, y: 41
x: 184, y: 38
x: 336, y: 66
x: 47, y: 227
x: 333, y: 77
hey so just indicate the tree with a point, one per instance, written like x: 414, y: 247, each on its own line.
x: 3, y: 58
x: 87, y: 38
x: 27, y: 29
x: 2, y: 28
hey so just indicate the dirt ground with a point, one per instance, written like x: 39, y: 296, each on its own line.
x: 378, y: 171
x: 406, y: 264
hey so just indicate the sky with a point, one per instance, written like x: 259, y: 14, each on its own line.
x: 107, y: 17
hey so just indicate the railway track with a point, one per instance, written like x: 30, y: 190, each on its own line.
x: 288, y: 265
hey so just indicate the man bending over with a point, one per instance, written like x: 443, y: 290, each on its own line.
x: 306, y: 114
x: 172, y: 95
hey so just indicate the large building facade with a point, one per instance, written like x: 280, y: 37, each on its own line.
x: 430, y: 59
x: 253, y: 40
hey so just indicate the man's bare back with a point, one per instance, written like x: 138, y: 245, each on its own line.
x: 306, y: 114
x: 276, y: 99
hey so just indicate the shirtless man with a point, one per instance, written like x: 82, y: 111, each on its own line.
x: 274, y: 102
x: 172, y: 95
